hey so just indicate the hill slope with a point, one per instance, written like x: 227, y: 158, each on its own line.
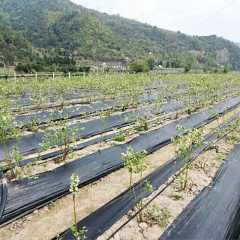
x: 63, y: 33
x: 13, y: 47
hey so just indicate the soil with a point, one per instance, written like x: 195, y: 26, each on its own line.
x: 49, y: 165
x: 57, y: 216
x: 173, y: 200
x: 53, y: 219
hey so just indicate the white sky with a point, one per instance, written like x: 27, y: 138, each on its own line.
x: 195, y: 17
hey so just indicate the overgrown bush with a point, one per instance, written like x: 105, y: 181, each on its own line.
x: 139, y: 66
x: 7, y: 128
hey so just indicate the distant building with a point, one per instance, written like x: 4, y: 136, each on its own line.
x: 111, y: 66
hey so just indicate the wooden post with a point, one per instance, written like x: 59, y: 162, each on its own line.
x: 69, y: 75
x: 15, y: 76
x: 36, y: 76
x: 53, y: 75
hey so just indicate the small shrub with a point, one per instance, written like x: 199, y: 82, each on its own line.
x: 62, y: 137
x: 79, y: 234
x: 184, y: 145
x: 32, y: 126
x: 14, y: 158
x: 7, y: 128
x: 134, y: 162
x: 119, y: 137
x: 187, y: 68
x: 141, y: 124
x: 139, y: 66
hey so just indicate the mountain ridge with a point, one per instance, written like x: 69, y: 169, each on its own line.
x: 62, y: 33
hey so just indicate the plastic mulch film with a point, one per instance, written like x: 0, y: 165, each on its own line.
x: 28, y: 194
x: 215, y: 213
x: 31, y: 143
x: 104, y: 217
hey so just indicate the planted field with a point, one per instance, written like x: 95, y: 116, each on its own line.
x: 120, y: 157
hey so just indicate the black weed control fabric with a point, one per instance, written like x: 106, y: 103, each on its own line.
x: 68, y: 113
x: 27, y: 99
x: 215, y: 213
x: 26, y: 195
x: 55, y: 154
x: 103, y: 218
x: 74, y: 111
x: 32, y: 143
x: 3, y: 193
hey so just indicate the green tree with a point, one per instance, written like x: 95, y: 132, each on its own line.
x: 139, y: 66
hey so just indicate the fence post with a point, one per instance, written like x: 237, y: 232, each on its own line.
x: 69, y: 75
x: 36, y: 76
x: 15, y: 76
x: 53, y: 75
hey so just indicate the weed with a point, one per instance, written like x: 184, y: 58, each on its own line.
x: 176, y: 196
x: 156, y: 215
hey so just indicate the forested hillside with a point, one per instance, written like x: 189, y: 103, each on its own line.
x: 59, y: 33
x: 13, y: 46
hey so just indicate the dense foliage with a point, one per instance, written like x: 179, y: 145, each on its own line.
x: 13, y: 47
x: 56, y: 34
